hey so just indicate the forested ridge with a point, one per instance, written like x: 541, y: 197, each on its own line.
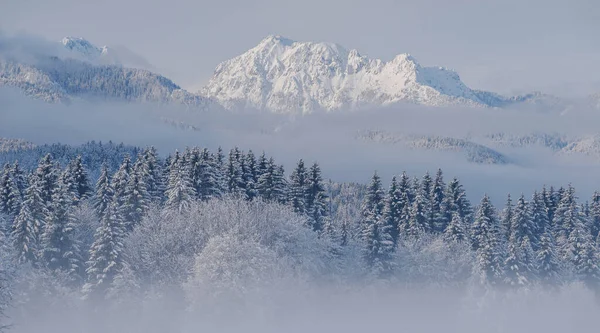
x: 202, y: 221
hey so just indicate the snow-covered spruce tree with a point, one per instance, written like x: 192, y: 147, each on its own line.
x: 180, y: 190
x: 506, y: 219
x: 105, y: 256
x: 455, y: 201
x: 29, y: 223
x: 206, y: 184
x: 566, y: 216
x: 485, y: 235
x: 520, y: 263
x: 595, y: 215
x: 250, y: 175
x: 549, y: 267
x: 59, y: 247
x: 81, y: 185
x: 377, y: 240
x: 271, y: 184
x: 46, y: 177
x: 153, y: 174
x: 539, y: 217
x: 425, y: 191
x: 406, y: 198
x: 419, y: 222
x: 316, y: 199
x: 220, y: 170
x: 19, y: 177
x: 234, y: 173
x: 104, y: 192
x: 119, y: 183
x: 437, y: 203
x: 392, y: 211
x: 10, y: 193
x: 584, y: 254
x: 551, y: 199
x: 455, y: 230
x: 136, y: 197
x: 298, y: 188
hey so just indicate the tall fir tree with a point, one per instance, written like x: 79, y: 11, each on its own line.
x: 440, y: 221
x: 80, y: 180
x: 378, y: 243
x: 485, y: 235
x: 595, y: 215
x: 566, y: 217
x: 539, y: 217
x: 29, y: 223
x: 104, y: 192
x: 234, y: 173
x: 419, y: 222
x: 152, y: 174
x: 549, y: 266
x: 316, y: 199
x: 584, y: 253
x: 392, y: 211
x: 271, y: 184
x: 520, y: 264
x: 136, y: 201
x: 426, y: 191
x: 455, y: 201
x: 60, y: 248
x: 298, y: 188
x: 180, y: 190
x: 46, y: 177
x: 250, y: 175
x: 507, y: 217
x: 10, y: 194
x: 455, y: 230
x: 105, y: 257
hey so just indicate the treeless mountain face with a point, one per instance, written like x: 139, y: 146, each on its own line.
x: 285, y: 76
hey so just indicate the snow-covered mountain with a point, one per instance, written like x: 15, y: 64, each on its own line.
x: 82, y: 49
x: 283, y: 75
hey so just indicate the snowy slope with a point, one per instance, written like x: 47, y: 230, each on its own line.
x: 283, y: 75
x: 82, y: 49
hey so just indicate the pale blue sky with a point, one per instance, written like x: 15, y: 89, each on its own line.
x: 501, y: 45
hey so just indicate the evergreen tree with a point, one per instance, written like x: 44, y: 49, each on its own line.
x: 549, y: 267
x: 80, y: 184
x: 392, y: 211
x: 10, y: 193
x: 376, y: 234
x: 19, y: 177
x: 29, y: 223
x: 539, y: 217
x: 298, y: 188
x: 250, y: 175
x: 418, y: 222
x: 507, y: 217
x: 595, y: 215
x: 151, y: 171
x: 425, y: 191
x: 119, y: 184
x: 404, y: 204
x: 455, y: 201
x: 235, y: 182
x: 105, y: 259
x: 566, y: 218
x: 271, y: 184
x: 520, y: 263
x: 180, y: 191
x: 46, y: 177
x: 136, y: 199
x: 316, y: 199
x: 485, y: 243
x: 455, y: 231
x: 60, y: 248
x: 104, y: 192
x: 208, y: 186
x: 437, y: 203
x: 584, y: 254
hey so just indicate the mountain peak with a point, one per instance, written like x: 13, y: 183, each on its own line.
x: 81, y: 45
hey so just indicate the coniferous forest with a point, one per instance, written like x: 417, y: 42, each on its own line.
x: 112, y: 224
